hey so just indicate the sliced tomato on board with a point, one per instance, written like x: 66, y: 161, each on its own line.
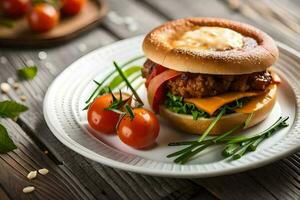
x: 156, y: 90
x: 156, y: 70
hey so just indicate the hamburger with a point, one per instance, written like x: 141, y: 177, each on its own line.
x: 197, y: 68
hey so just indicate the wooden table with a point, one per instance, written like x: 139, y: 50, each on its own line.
x: 75, y: 177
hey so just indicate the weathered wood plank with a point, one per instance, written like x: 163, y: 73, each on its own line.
x: 271, y: 16
x: 35, y: 90
x: 282, y: 186
x: 238, y: 186
x: 3, y: 194
x: 93, y: 175
x: 144, y: 18
x: 15, y: 166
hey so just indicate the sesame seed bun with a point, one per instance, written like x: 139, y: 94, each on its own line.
x: 158, y: 47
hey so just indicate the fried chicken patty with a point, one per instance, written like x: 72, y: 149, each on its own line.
x: 190, y: 85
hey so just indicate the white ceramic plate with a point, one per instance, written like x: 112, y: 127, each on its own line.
x: 66, y: 96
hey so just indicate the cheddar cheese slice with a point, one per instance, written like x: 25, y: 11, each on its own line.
x: 258, y: 102
x: 212, y: 104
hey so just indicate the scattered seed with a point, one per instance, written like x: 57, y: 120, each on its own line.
x: 23, y: 98
x: 51, y: 67
x: 129, y: 20
x: 132, y: 27
x: 131, y: 23
x: 234, y: 4
x: 5, y: 87
x: 16, y: 85
x: 3, y: 60
x: 39, y: 97
x: 42, y: 55
x: 28, y: 189
x: 43, y: 171
x: 32, y: 175
x: 82, y: 47
x: 10, y: 80
x: 48, y: 65
x: 30, y: 63
x: 115, y: 18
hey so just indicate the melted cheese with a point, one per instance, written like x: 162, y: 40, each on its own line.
x: 209, y: 38
x: 258, y: 102
x: 212, y: 104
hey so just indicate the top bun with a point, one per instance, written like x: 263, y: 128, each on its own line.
x: 238, y: 49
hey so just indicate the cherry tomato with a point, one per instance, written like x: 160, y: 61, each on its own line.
x: 43, y: 17
x: 72, y: 7
x: 141, y: 131
x: 99, y: 118
x: 14, y: 8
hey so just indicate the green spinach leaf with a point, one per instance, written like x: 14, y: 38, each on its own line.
x: 177, y: 105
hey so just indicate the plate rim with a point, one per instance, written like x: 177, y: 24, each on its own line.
x: 148, y: 171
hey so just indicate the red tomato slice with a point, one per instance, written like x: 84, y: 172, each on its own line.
x: 158, y: 98
x: 156, y: 70
x: 156, y: 90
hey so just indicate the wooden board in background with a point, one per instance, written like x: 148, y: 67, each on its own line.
x: 68, y: 27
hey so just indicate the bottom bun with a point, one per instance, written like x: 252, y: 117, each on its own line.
x: 187, y: 124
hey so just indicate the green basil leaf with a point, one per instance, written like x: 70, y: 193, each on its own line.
x: 6, y: 144
x: 11, y: 109
x: 27, y: 73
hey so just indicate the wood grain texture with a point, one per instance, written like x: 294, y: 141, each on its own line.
x: 143, y: 17
x: 57, y: 184
x: 99, y: 180
x: 278, y: 18
x: 33, y: 121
